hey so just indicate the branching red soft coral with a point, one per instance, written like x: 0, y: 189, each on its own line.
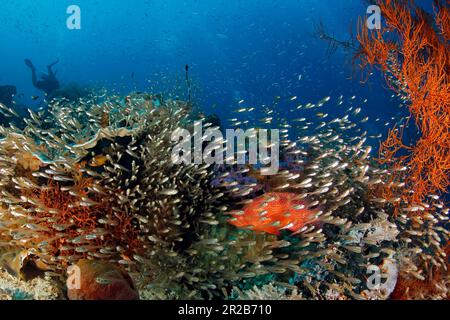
x: 70, y: 231
x: 434, y: 286
x: 413, y: 52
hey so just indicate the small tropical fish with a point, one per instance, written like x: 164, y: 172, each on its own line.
x: 268, y: 213
x: 98, y: 161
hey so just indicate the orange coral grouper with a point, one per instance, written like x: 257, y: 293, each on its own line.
x: 273, y: 212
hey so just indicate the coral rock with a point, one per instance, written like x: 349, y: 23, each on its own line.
x: 102, y: 281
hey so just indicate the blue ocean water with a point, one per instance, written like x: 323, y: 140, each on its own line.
x: 252, y: 50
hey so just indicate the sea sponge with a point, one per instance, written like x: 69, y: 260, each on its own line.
x: 100, y: 280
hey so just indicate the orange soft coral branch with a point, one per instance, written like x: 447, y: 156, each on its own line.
x: 443, y: 20
x: 435, y: 285
x: 62, y: 228
x: 415, y: 58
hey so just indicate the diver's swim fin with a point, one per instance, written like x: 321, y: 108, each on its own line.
x: 29, y: 64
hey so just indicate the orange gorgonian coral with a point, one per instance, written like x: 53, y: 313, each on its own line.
x: 434, y: 286
x: 69, y: 231
x: 412, y: 50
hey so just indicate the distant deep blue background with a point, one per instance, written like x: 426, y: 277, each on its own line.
x: 248, y: 49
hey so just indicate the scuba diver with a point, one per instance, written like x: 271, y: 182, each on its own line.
x: 48, y: 82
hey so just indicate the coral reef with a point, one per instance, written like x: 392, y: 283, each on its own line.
x: 266, y: 292
x: 72, y: 92
x: 89, y: 184
x: 92, y: 182
x: 95, y: 181
x: 335, y: 174
x: 12, y: 288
